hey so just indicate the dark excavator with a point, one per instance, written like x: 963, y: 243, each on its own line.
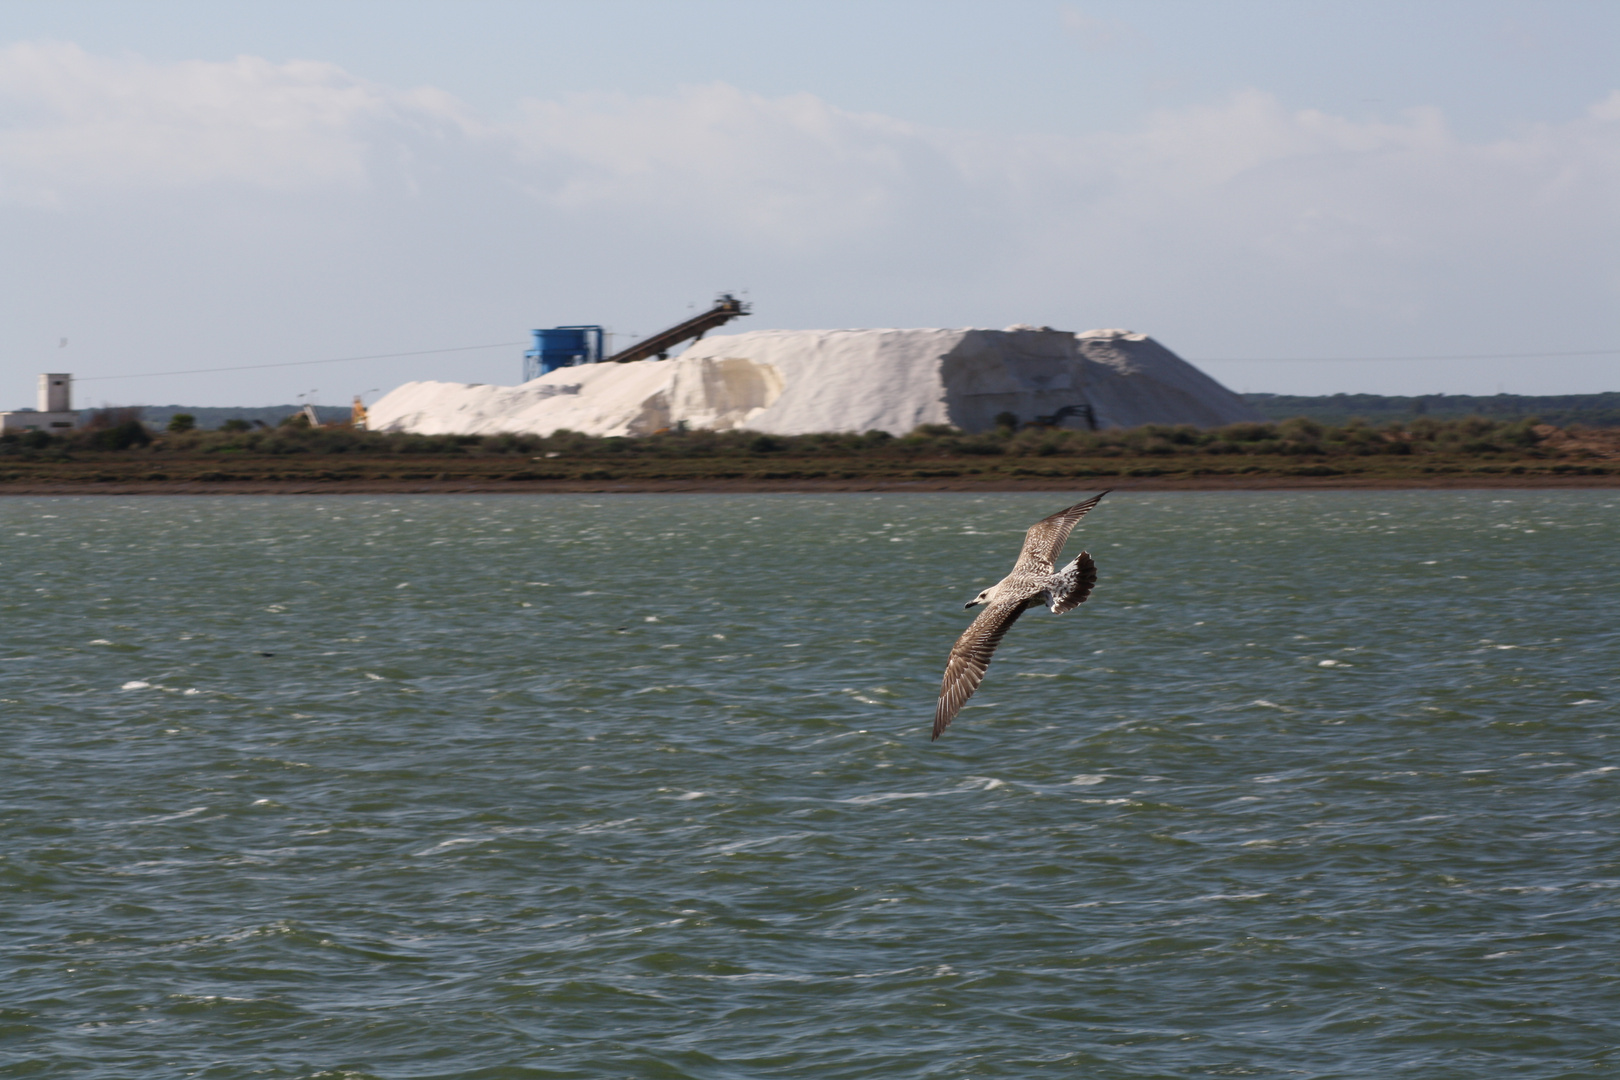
x: 1084, y: 411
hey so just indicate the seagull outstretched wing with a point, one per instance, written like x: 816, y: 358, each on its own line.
x: 1047, y: 536
x: 970, y: 656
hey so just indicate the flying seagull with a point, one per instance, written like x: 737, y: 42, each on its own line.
x: 1033, y: 582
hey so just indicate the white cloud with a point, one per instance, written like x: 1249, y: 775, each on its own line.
x: 1235, y: 225
x: 77, y: 122
x: 1095, y: 34
x: 788, y: 170
x: 797, y: 170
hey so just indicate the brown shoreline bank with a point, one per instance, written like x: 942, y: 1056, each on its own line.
x: 809, y: 486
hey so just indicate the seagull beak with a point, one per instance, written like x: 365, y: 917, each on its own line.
x: 971, y: 603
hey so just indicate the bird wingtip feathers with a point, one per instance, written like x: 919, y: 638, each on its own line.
x: 971, y: 654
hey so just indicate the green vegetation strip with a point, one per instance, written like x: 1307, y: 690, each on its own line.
x: 1424, y: 447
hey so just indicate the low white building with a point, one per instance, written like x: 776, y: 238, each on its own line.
x: 55, y: 413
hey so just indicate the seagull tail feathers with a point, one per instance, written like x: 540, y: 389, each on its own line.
x: 1078, y: 579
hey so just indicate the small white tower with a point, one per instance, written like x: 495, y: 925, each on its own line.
x: 56, y: 393
x: 55, y: 413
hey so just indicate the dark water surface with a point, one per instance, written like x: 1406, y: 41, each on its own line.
x: 1317, y: 785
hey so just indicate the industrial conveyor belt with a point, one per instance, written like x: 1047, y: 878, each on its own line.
x: 725, y: 309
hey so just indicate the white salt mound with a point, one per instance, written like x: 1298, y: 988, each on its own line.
x: 794, y: 382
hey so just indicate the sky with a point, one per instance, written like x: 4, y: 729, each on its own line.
x: 1300, y: 197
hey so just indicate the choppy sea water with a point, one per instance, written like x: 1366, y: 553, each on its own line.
x: 1316, y: 785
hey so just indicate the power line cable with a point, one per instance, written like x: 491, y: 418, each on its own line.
x: 1206, y: 360
x: 302, y: 363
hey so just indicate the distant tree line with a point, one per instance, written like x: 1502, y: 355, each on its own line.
x: 1561, y: 410
x: 211, y: 417
x: 113, y: 430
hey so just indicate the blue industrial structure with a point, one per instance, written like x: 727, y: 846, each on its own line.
x: 565, y: 346
x: 562, y: 346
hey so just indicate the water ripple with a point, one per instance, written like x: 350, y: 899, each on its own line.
x: 1317, y: 785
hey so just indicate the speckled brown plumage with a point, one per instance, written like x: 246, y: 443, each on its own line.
x: 1032, y: 582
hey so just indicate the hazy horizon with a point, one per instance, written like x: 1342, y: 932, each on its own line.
x: 187, y: 186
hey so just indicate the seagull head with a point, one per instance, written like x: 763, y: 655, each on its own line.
x: 982, y: 598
